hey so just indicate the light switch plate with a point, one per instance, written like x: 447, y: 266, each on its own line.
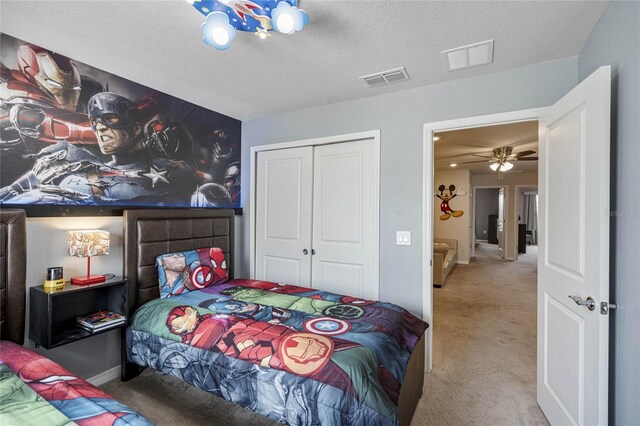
x: 403, y: 238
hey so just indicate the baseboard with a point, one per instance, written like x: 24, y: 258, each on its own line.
x: 463, y: 262
x: 105, y: 376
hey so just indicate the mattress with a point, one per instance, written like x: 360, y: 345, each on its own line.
x: 37, y: 391
x: 296, y: 355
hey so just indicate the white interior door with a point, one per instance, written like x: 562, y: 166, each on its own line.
x: 345, y: 219
x: 283, y: 215
x: 573, y: 341
x: 500, y: 226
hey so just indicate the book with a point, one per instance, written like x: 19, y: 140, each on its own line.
x: 95, y: 330
x: 100, y: 320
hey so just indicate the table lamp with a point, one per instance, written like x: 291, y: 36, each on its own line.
x: 86, y: 244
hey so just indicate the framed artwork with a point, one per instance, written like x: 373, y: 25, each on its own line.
x: 78, y: 140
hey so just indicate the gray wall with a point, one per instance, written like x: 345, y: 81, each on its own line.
x: 616, y: 41
x: 400, y: 116
x: 486, y: 203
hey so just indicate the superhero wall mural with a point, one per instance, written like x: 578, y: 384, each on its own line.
x: 71, y: 134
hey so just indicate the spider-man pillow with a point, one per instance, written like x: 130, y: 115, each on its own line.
x: 191, y: 270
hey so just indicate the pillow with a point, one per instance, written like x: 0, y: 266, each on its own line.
x: 185, y: 271
x: 441, y: 248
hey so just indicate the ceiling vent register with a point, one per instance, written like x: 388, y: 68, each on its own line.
x: 385, y: 77
x: 469, y: 56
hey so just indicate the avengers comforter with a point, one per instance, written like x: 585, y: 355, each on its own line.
x: 36, y: 391
x: 296, y: 355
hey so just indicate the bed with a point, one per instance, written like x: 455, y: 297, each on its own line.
x: 269, y: 351
x: 33, y: 389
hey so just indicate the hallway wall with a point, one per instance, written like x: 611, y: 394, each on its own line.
x: 455, y: 228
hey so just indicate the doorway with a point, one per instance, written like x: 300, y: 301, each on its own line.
x: 484, y: 311
x: 428, y: 198
x: 527, y: 204
x: 573, y: 265
x: 488, y: 217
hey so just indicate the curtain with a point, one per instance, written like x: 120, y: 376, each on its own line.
x: 531, y: 216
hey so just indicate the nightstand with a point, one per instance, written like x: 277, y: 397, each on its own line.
x: 52, y: 315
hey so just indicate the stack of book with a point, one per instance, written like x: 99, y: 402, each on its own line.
x: 101, y: 320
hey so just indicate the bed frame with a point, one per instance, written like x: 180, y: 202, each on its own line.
x: 13, y: 273
x: 150, y: 233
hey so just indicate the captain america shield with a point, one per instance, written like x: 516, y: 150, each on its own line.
x: 202, y: 276
x: 326, y: 326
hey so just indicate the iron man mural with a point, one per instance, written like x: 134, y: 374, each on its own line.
x: 71, y: 134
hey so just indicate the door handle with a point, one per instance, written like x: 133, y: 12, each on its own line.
x: 589, y: 303
x: 305, y: 252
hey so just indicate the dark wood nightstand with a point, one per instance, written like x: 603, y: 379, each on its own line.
x: 52, y: 315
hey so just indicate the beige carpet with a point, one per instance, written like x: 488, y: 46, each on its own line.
x: 484, y: 369
x: 484, y: 356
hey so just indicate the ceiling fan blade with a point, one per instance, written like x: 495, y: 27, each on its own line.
x: 483, y: 156
x: 528, y: 159
x: 479, y: 161
x: 524, y: 153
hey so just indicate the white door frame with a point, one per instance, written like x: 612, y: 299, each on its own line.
x: 373, y: 135
x: 427, y: 200
x: 473, y: 224
x: 517, y: 200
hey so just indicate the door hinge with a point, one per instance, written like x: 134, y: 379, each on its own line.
x: 606, y: 307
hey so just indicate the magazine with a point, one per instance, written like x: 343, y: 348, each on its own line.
x: 101, y: 320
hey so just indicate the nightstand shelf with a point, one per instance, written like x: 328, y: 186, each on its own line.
x: 53, y: 315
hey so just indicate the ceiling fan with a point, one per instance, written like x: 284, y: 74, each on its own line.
x: 503, y: 158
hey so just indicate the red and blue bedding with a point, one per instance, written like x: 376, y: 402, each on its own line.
x: 37, y: 391
x: 297, y: 355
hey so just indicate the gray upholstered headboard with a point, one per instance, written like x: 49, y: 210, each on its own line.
x: 150, y: 233
x: 13, y: 274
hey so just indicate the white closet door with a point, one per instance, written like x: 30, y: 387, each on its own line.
x: 283, y: 215
x: 345, y: 219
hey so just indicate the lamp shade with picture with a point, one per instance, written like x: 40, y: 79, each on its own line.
x: 88, y: 243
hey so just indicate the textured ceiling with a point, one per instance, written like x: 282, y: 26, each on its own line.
x: 460, y: 146
x: 158, y: 44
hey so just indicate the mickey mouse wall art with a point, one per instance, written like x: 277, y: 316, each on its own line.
x: 446, y: 194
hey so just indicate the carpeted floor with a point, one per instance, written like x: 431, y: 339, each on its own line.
x: 484, y: 368
x: 484, y: 345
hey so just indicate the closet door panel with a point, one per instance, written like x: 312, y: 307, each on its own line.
x: 344, y: 217
x: 283, y: 215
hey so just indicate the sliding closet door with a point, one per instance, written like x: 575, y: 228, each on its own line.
x: 283, y: 215
x: 345, y: 219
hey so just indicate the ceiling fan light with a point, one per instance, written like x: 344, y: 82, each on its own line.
x: 505, y: 167
x: 494, y: 166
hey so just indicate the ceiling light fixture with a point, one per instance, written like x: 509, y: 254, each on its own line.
x: 505, y: 167
x: 453, y: 165
x: 224, y: 17
x: 436, y: 138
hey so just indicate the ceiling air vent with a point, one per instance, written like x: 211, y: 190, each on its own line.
x: 468, y: 56
x: 385, y: 77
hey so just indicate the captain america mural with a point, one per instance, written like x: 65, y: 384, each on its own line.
x: 71, y: 134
